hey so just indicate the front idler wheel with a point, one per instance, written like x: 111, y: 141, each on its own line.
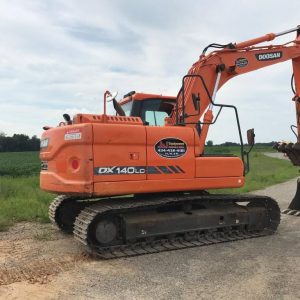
x: 107, y: 231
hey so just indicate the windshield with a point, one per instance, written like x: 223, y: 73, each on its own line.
x: 127, y: 108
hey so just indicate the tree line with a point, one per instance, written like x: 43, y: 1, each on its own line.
x: 18, y: 143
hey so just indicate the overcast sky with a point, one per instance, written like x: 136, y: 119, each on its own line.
x: 60, y: 56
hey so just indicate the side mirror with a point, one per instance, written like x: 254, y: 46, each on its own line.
x: 118, y: 108
x: 111, y: 97
x: 108, y: 96
x: 251, y: 137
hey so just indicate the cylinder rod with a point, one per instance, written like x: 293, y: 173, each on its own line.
x: 287, y: 31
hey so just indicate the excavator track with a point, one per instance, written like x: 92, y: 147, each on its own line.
x: 63, y: 210
x: 263, y: 211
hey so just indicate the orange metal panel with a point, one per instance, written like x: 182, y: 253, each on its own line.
x: 51, y: 182
x: 165, y: 185
x: 118, y: 147
x: 69, y: 158
x: 219, y: 167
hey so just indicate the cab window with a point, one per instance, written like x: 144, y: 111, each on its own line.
x: 152, y: 111
x: 155, y: 118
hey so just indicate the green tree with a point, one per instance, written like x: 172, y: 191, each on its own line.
x: 18, y: 143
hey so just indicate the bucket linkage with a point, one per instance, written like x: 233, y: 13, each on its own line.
x: 294, y: 207
x: 292, y: 151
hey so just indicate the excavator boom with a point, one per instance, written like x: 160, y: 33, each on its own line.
x: 211, y: 72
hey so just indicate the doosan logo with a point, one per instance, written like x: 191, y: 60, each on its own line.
x: 268, y: 56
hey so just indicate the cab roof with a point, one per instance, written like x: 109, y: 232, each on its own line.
x: 142, y: 96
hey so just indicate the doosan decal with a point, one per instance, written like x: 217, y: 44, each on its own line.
x: 268, y: 56
x: 170, y: 148
x: 241, y: 62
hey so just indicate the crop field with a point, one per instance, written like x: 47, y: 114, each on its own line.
x: 22, y: 200
x: 16, y: 164
x: 20, y: 196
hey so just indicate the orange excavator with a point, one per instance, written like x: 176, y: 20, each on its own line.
x: 137, y: 182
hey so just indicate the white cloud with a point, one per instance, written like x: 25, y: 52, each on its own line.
x: 58, y: 56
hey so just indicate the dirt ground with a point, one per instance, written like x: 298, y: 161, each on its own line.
x: 38, y: 262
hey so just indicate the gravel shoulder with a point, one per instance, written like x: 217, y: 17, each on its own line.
x: 276, y: 155
x: 38, y: 262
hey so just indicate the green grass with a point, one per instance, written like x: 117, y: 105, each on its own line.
x: 22, y: 200
x: 264, y: 171
x: 237, y: 150
x: 20, y: 196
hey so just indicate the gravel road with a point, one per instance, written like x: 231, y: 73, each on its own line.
x: 276, y: 155
x: 262, y: 268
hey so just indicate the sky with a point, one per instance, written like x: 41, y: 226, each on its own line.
x: 60, y: 56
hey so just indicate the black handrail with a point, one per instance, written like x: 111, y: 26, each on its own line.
x: 183, y: 123
x: 292, y: 128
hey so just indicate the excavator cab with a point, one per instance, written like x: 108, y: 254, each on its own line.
x: 152, y: 109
